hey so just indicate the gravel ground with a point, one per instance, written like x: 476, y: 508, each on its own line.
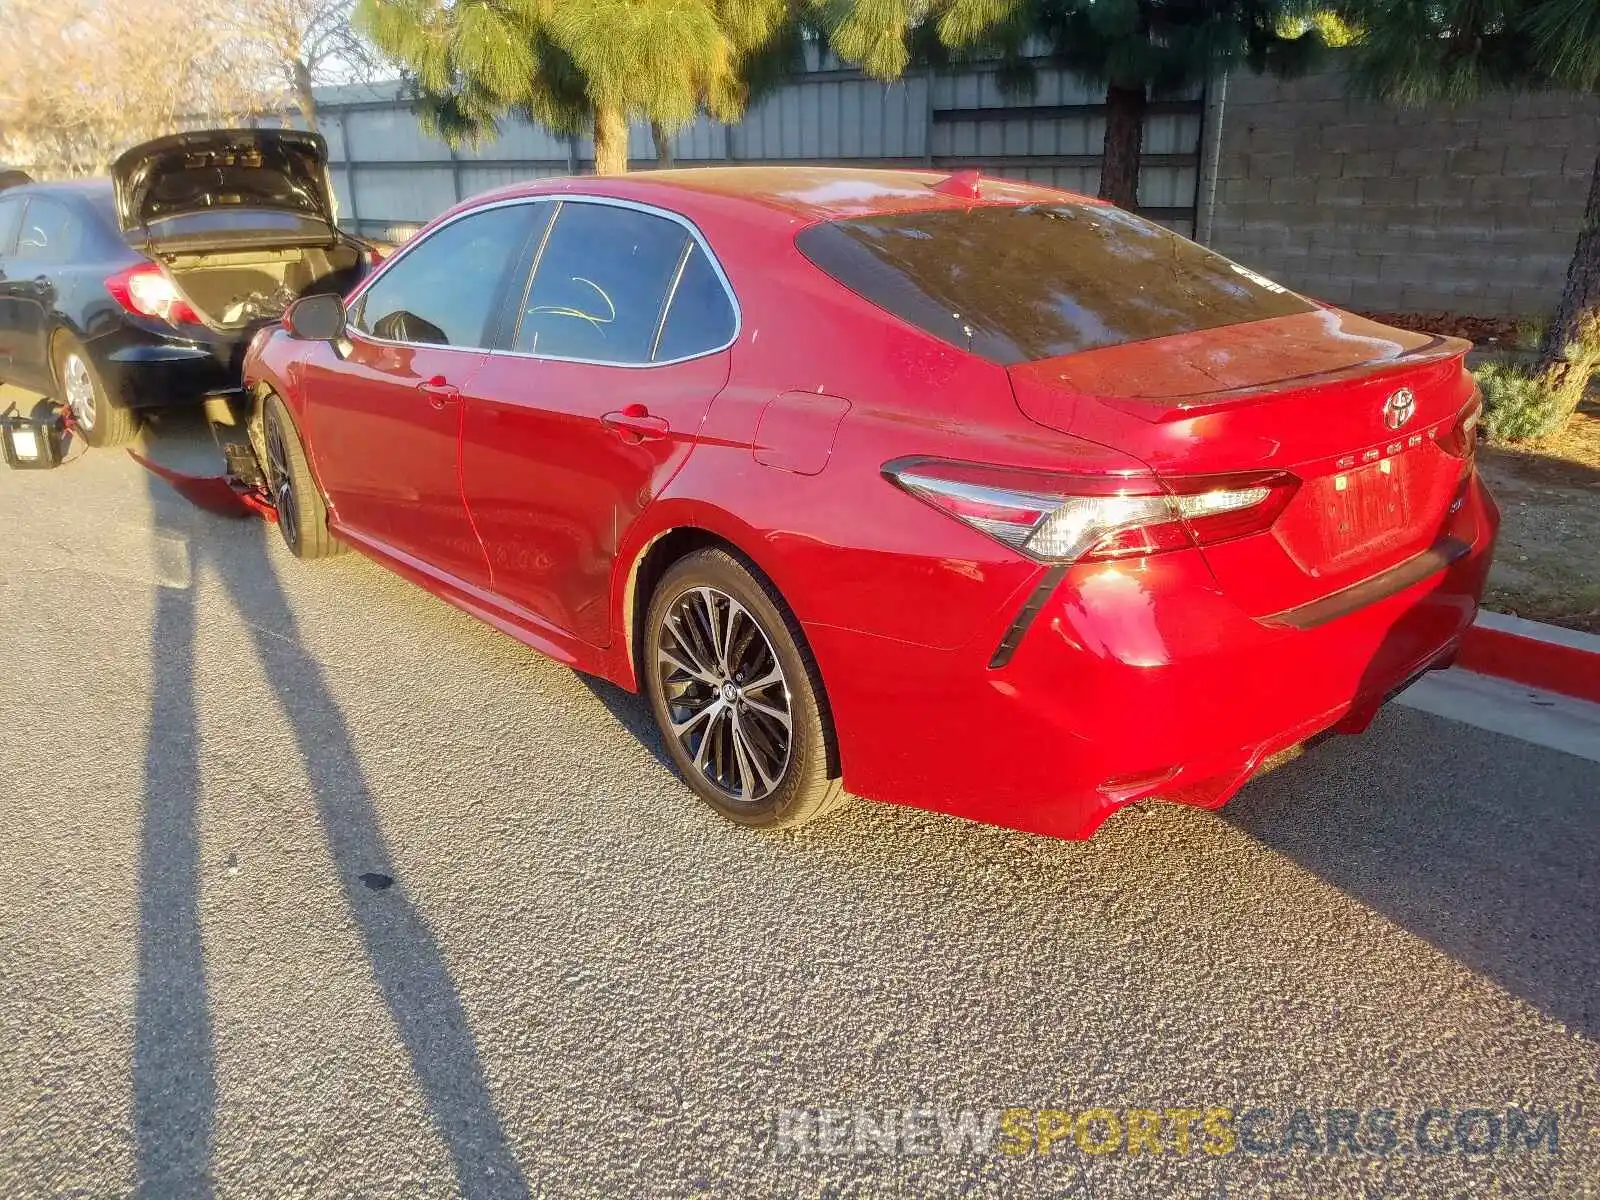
x: 1547, y: 567
x: 582, y: 983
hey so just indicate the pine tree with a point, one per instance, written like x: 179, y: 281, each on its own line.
x: 1138, y: 49
x: 1453, y: 51
x: 573, y: 65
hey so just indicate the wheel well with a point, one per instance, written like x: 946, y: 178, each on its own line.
x: 658, y: 559
x: 57, y: 335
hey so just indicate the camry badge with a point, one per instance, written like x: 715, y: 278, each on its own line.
x: 1399, y: 408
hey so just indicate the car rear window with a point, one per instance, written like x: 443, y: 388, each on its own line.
x: 1018, y: 283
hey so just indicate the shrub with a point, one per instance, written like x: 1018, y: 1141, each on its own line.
x: 1517, y: 407
x: 1569, y: 379
x: 1522, y: 406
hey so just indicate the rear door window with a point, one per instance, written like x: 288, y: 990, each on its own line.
x: 442, y: 291
x: 1016, y: 283
x: 10, y: 218
x: 49, y: 231
x: 700, y: 316
x: 601, y: 285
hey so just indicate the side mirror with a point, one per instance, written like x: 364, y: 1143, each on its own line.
x: 317, y: 318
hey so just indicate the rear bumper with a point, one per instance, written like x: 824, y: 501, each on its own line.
x: 143, y: 369
x: 1136, y: 680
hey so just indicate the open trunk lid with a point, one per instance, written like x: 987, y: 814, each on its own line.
x: 222, y: 183
x: 1364, y: 417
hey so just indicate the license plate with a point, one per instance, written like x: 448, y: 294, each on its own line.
x: 1364, y: 507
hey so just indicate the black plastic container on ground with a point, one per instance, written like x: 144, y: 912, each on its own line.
x: 32, y: 443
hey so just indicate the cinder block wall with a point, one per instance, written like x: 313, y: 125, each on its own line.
x: 1472, y: 210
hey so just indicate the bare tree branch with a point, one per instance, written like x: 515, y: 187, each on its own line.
x: 81, y: 80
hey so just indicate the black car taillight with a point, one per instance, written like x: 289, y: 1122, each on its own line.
x: 149, y: 291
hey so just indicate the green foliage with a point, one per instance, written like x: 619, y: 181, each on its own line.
x: 1453, y: 51
x: 1566, y: 39
x: 1528, y: 334
x: 1164, y: 45
x: 1580, y: 363
x: 1170, y: 45
x: 1517, y: 407
x: 1523, y: 406
x: 557, y: 62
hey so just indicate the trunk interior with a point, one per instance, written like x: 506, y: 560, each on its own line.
x: 235, y: 289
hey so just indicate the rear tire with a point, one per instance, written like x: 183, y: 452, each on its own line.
x: 737, y: 696
x: 102, y: 421
x: 302, y: 513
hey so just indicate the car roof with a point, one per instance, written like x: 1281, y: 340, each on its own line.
x: 95, y: 190
x: 804, y: 193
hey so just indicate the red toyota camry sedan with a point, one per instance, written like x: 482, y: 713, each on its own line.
x: 952, y: 492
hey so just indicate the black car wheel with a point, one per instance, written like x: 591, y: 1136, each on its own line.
x: 737, y: 695
x: 302, y: 513
x: 101, y: 420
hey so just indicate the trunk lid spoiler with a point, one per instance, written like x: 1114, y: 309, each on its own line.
x: 1194, y: 374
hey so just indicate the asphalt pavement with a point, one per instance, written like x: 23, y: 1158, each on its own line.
x: 315, y: 886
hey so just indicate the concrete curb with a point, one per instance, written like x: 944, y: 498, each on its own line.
x: 1533, y: 653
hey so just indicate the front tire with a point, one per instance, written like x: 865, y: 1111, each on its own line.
x: 102, y: 421
x: 737, y: 695
x: 302, y: 513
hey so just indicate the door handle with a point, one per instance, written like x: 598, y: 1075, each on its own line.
x: 439, y: 392
x: 635, y: 424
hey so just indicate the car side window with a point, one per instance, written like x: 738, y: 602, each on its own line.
x: 699, y: 316
x: 10, y: 218
x: 442, y: 292
x: 601, y: 284
x: 49, y: 231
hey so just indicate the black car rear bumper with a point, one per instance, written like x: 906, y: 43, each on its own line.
x: 145, y: 370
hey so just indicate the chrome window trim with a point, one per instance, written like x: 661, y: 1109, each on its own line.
x: 684, y: 256
x: 358, y: 296
x: 557, y: 198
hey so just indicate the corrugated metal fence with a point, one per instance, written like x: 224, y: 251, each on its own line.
x: 392, y: 177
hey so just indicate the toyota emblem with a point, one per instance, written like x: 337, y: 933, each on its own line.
x: 1399, y: 408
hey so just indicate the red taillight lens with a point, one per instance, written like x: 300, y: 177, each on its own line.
x: 1211, y: 522
x: 148, y: 290
x: 1076, y: 518
x: 1461, y: 441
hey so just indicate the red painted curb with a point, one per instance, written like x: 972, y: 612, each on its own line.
x: 1555, y: 666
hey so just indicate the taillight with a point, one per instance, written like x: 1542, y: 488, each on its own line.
x: 148, y: 290
x: 1088, y: 518
x: 1461, y: 440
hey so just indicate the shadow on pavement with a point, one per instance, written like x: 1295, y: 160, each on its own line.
x: 174, y: 1054
x: 1479, y: 854
x: 632, y: 711
x: 174, y: 1073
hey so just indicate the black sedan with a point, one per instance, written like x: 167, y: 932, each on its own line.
x: 143, y: 291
